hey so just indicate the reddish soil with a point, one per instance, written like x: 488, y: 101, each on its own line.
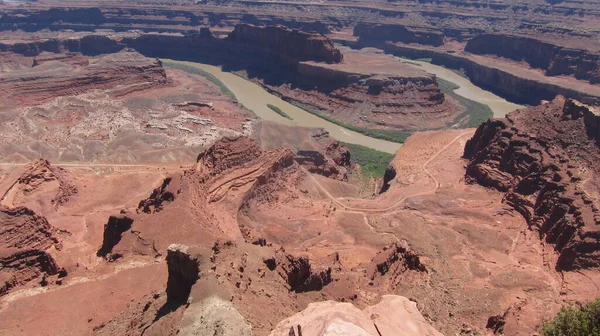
x: 263, y: 232
x: 111, y: 108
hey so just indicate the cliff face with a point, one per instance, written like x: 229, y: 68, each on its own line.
x: 545, y: 159
x: 24, y: 239
x: 189, y: 46
x: 556, y: 60
x: 396, y: 101
x: 398, y: 33
x: 512, y: 86
x: 286, y: 42
x: 124, y: 72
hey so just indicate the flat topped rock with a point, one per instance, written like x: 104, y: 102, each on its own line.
x: 370, y: 62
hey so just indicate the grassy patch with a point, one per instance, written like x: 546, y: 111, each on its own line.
x: 413, y: 63
x: 371, y: 161
x: 196, y: 71
x: 389, y: 135
x: 279, y: 111
x: 574, y: 321
x: 478, y: 113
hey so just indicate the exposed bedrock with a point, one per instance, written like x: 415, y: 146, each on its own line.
x: 160, y: 196
x: 113, y: 230
x: 541, y: 158
x: 20, y: 266
x: 25, y: 238
x: 282, y: 59
x: 288, y: 43
x: 393, y: 265
x: 92, y: 44
x: 511, y: 86
x: 381, y: 98
x: 330, y: 158
x: 398, y: 33
x: 394, y: 315
x: 155, y: 19
x: 388, y: 177
x: 555, y: 59
x: 123, y: 72
x: 23, y: 228
x: 301, y: 275
x: 39, y: 172
x: 226, y: 154
x: 184, y: 270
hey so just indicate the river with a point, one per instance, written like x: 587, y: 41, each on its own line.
x: 499, y: 106
x: 256, y: 98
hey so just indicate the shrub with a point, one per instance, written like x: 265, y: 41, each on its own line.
x: 370, y: 160
x: 477, y: 112
x: 573, y: 321
x: 279, y: 111
x: 398, y: 136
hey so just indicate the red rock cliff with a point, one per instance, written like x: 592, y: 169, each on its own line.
x: 545, y: 159
x: 555, y: 59
x: 289, y: 43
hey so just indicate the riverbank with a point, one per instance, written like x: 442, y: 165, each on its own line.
x: 255, y: 98
x: 509, y: 81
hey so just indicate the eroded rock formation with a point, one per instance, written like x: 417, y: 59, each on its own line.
x: 330, y: 159
x: 541, y: 157
x: 300, y: 275
x: 392, y: 264
x: 553, y: 58
x: 160, y: 196
x: 40, y: 172
x: 290, y: 44
x: 113, y: 230
x: 398, y: 33
x: 25, y: 238
x: 184, y: 271
x: 124, y: 71
x: 394, y: 315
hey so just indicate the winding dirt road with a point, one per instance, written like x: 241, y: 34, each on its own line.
x: 400, y: 201
x: 364, y: 211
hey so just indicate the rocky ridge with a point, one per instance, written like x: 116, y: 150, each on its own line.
x: 123, y: 72
x: 26, y: 239
x: 541, y: 157
x: 288, y: 43
x: 554, y: 59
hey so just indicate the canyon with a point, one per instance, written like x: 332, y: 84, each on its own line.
x: 277, y: 168
x: 197, y: 248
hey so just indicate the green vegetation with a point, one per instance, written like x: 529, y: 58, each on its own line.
x: 196, y: 71
x: 389, y: 135
x: 279, y: 111
x: 476, y: 112
x: 571, y: 321
x: 371, y: 161
x: 413, y: 63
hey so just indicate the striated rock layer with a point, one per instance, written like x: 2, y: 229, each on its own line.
x: 370, y: 89
x: 24, y: 239
x: 286, y: 42
x: 542, y: 157
x: 398, y: 33
x: 124, y: 72
x: 555, y: 59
